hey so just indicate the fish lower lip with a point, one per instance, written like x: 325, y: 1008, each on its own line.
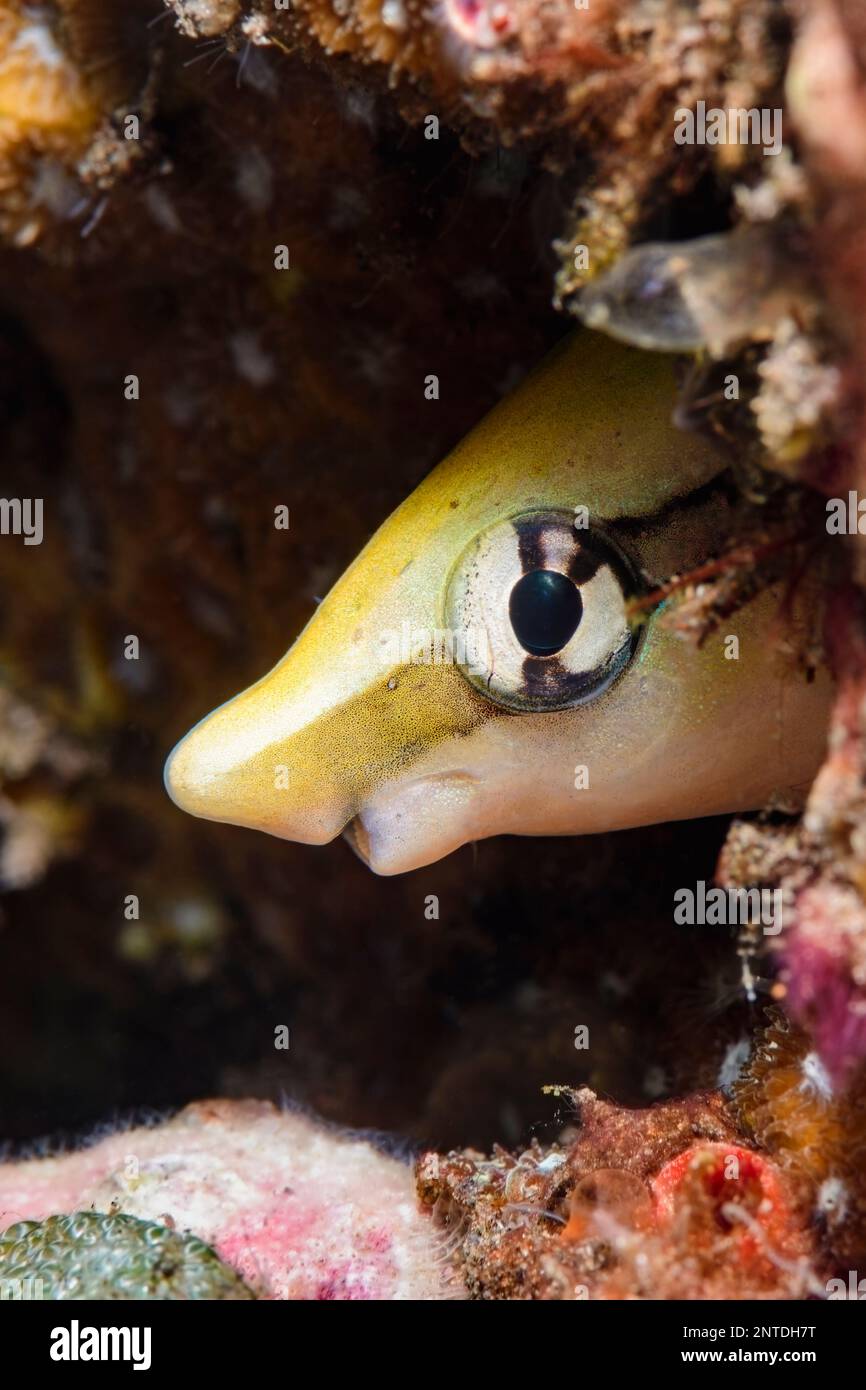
x: 356, y: 836
x: 414, y: 823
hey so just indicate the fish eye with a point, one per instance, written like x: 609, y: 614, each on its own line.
x: 537, y: 608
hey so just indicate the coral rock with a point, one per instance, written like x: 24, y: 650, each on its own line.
x: 297, y: 1212
x: 629, y: 1206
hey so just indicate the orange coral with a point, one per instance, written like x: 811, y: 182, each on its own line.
x: 819, y: 1137
x: 64, y: 68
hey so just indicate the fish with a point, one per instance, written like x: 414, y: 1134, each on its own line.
x: 477, y: 670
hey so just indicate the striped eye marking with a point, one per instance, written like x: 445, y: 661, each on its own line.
x: 544, y: 604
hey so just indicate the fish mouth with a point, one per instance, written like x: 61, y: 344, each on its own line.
x: 357, y: 838
x: 405, y: 827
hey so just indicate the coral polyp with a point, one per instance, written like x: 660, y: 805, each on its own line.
x: 98, y: 1255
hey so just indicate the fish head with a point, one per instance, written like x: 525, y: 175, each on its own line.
x: 477, y: 670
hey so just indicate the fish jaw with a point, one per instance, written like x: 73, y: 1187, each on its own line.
x: 681, y: 735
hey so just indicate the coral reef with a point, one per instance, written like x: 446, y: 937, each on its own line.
x: 435, y: 176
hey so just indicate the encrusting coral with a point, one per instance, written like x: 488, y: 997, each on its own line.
x: 226, y: 1200
x: 658, y: 1203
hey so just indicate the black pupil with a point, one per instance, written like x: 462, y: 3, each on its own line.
x: 545, y: 609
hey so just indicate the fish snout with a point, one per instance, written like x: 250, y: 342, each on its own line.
x: 305, y: 750
x: 236, y: 769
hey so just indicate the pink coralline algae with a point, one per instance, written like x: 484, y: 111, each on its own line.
x: 824, y: 951
x: 297, y: 1211
x: 818, y: 867
x: 822, y: 968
